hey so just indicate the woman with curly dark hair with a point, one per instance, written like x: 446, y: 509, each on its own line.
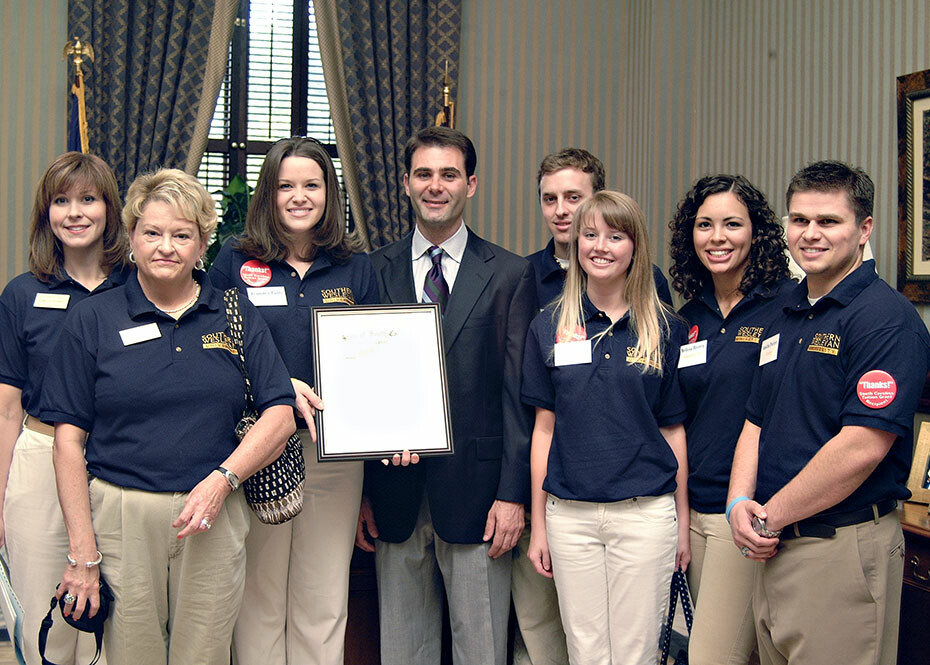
x: 729, y: 263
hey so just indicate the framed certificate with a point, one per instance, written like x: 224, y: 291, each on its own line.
x: 381, y: 372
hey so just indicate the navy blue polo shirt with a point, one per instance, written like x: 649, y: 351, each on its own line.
x: 550, y: 278
x: 325, y: 283
x: 861, y: 344
x: 606, y: 445
x: 716, y: 390
x: 161, y: 400
x: 32, y: 313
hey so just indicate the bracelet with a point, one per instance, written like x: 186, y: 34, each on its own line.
x: 733, y: 503
x: 88, y: 564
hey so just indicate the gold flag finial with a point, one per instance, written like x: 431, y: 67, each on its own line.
x: 78, y: 51
x: 446, y: 117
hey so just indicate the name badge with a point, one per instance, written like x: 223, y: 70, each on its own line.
x: 267, y: 296
x: 52, y: 300
x: 769, y: 350
x: 692, y: 354
x: 140, y: 334
x: 572, y: 353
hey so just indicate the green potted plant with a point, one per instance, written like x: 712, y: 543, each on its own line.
x: 235, y: 204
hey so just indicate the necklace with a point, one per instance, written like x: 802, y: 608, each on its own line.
x: 187, y: 304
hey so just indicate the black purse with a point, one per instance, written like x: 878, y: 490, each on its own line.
x: 679, y: 588
x: 86, y: 623
x: 276, y: 492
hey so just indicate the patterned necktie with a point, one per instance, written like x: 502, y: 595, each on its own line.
x: 435, y: 288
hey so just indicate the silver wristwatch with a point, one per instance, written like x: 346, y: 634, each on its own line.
x: 230, y: 477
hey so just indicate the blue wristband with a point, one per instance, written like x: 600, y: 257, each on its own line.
x: 733, y: 503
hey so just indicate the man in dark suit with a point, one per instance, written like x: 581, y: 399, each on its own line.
x: 450, y: 522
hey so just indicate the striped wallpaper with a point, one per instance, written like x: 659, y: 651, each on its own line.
x: 664, y: 91
x: 33, y: 122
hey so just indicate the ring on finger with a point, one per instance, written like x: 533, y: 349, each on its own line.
x: 744, y: 550
x: 70, y: 598
x: 206, y: 524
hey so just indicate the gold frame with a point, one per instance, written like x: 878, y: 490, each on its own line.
x: 917, y: 480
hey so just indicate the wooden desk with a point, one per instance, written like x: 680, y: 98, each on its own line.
x: 913, y: 646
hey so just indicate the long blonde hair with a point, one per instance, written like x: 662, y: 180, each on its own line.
x: 648, y: 316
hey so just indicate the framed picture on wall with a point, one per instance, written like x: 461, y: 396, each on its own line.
x: 918, y: 481
x: 914, y: 186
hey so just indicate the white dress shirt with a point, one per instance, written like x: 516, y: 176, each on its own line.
x: 453, y: 250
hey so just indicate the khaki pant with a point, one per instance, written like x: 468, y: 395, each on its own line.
x: 613, y: 565
x: 37, y: 549
x: 537, y: 606
x: 297, y: 574
x: 721, y: 581
x: 832, y: 600
x: 175, y: 600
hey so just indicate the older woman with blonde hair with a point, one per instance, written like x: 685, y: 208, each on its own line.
x: 608, y: 460
x: 77, y: 248
x: 145, y: 384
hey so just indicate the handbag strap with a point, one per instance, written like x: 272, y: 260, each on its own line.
x: 234, y: 319
x: 679, y: 589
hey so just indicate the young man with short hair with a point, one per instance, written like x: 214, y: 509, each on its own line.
x: 826, y: 448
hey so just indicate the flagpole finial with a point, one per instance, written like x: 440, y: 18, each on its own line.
x: 77, y: 50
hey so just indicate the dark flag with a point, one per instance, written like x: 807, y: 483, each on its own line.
x: 74, y: 126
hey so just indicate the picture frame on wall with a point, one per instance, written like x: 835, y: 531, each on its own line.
x: 914, y: 186
x: 918, y: 479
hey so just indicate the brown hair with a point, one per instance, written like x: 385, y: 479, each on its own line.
x: 573, y: 158
x: 265, y: 236
x: 46, y: 254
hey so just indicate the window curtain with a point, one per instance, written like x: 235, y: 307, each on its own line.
x: 389, y: 86
x: 145, y: 85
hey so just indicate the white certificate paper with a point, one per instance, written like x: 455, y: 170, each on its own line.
x: 381, y: 372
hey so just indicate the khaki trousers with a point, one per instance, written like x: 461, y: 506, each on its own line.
x: 297, y: 573
x: 175, y: 600
x: 613, y: 565
x: 832, y: 600
x: 37, y: 549
x: 721, y: 581
x: 537, y: 606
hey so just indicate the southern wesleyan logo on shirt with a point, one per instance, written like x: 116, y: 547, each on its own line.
x: 828, y: 343
x: 633, y: 359
x: 749, y: 334
x: 341, y: 294
x: 218, y: 340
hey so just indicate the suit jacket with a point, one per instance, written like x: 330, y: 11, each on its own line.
x: 484, y: 329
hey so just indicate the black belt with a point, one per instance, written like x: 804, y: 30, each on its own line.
x: 825, y: 526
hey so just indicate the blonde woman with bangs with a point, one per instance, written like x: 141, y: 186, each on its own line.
x: 608, y: 459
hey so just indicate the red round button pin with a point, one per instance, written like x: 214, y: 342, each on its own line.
x: 876, y: 389
x: 693, y: 335
x: 255, y: 273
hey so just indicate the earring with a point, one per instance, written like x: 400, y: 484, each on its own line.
x: 132, y: 259
x: 199, y: 264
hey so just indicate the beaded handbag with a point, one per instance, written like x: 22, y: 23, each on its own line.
x: 275, y: 493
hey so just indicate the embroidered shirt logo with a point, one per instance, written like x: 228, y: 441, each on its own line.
x: 633, y: 359
x: 218, y: 340
x: 828, y: 343
x: 749, y: 334
x: 341, y: 294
